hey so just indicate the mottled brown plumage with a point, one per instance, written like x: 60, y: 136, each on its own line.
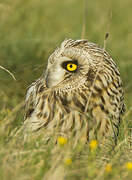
x: 87, y: 102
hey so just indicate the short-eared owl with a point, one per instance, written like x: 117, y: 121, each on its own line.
x: 81, y: 90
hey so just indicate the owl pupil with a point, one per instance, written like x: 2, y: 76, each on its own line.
x: 71, y: 66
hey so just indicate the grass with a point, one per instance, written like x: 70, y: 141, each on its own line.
x: 29, y: 32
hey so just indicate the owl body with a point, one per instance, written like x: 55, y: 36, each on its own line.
x: 80, y: 93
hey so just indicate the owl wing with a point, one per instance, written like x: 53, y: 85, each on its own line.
x: 31, y: 121
x: 30, y: 100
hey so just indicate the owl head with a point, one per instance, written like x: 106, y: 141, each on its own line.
x: 72, y: 64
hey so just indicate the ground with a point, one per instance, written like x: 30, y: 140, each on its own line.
x: 29, y: 32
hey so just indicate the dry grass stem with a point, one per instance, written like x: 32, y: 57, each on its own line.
x: 11, y: 74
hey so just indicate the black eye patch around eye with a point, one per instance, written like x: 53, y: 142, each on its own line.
x: 64, y: 64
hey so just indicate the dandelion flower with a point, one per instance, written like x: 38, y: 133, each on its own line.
x: 108, y: 168
x: 68, y: 161
x: 129, y: 165
x: 93, y: 144
x: 62, y: 141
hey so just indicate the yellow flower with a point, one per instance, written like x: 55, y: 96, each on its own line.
x: 129, y: 165
x: 68, y: 161
x: 62, y: 141
x: 108, y: 168
x: 93, y: 144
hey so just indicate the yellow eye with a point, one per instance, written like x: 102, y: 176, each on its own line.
x: 71, y: 67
